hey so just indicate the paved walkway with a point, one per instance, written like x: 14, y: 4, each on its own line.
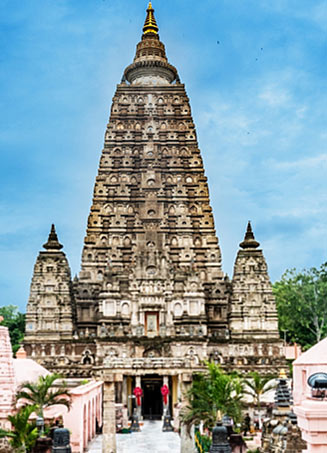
x: 150, y: 440
x: 96, y: 445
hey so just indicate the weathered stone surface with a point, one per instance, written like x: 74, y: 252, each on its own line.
x: 50, y: 313
x: 253, y: 314
x: 151, y: 300
x: 109, y: 419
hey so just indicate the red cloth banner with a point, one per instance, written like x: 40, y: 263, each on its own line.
x: 138, y: 392
x: 165, y: 392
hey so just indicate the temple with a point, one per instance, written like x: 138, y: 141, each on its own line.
x: 151, y: 302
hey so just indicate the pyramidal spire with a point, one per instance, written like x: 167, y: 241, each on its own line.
x: 150, y: 24
x: 53, y: 243
x: 150, y: 65
x: 249, y: 241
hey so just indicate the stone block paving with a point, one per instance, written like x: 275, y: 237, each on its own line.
x: 150, y: 439
x: 96, y: 445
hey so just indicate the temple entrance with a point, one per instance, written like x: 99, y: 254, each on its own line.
x: 152, y: 407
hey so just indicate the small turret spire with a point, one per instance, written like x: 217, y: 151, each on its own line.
x: 150, y: 24
x: 249, y: 239
x: 53, y: 243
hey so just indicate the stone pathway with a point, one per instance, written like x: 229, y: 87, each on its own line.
x: 150, y: 440
x: 96, y: 445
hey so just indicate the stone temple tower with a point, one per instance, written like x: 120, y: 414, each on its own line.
x: 252, y: 308
x: 51, y: 309
x: 151, y: 302
x: 151, y: 261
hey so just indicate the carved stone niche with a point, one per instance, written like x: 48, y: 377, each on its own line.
x: 216, y: 357
x: 109, y: 307
x: 178, y: 309
x: 193, y: 309
x: 125, y: 308
x: 152, y: 353
x: 87, y: 357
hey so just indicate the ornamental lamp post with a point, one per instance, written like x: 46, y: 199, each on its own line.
x: 138, y: 393
x: 40, y: 425
x: 167, y: 417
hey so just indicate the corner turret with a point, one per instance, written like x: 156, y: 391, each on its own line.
x: 51, y: 307
x: 253, y: 313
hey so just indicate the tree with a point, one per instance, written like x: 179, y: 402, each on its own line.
x: 301, y: 299
x: 15, y: 321
x: 24, y: 434
x: 44, y: 393
x: 212, y: 391
x: 256, y: 386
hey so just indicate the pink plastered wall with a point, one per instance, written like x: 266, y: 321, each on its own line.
x: 311, y: 412
x: 86, y: 410
x: 84, y: 415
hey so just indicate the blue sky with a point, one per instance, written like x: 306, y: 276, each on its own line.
x: 255, y: 72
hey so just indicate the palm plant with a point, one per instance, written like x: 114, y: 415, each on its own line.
x: 44, y: 393
x: 256, y: 386
x: 24, y: 434
x: 212, y: 391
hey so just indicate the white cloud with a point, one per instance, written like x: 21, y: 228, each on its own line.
x: 275, y: 96
x: 306, y: 163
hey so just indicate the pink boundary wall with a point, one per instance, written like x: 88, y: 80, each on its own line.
x: 311, y: 412
x: 85, y: 412
x: 86, y: 409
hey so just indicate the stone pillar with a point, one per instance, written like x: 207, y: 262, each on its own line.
x: 179, y: 388
x: 187, y: 440
x: 125, y: 392
x: 109, y: 418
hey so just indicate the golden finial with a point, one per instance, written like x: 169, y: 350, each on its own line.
x: 282, y: 374
x: 150, y: 24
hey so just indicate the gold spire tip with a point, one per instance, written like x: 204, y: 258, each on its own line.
x: 282, y: 374
x: 150, y: 24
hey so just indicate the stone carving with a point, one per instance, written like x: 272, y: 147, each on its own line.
x: 253, y: 313
x: 51, y: 306
x: 151, y: 271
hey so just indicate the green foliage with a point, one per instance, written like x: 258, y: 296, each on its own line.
x: 202, y: 442
x: 15, y: 321
x: 257, y: 385
x: 24, y: 433
x: 212, y: 391
x: 302, y: 305
x: 44, y: 393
